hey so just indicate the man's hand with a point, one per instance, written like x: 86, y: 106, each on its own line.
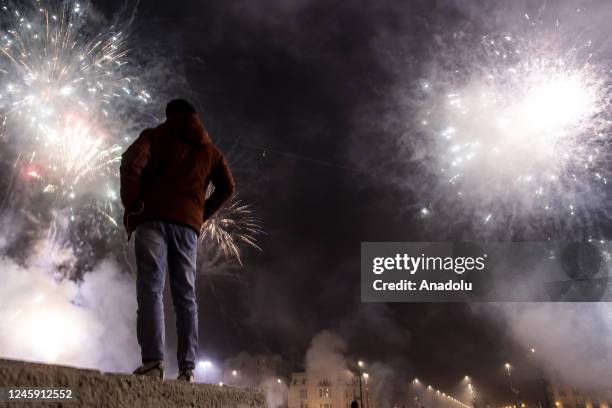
x: 132, y: 212
x: 223, y: 181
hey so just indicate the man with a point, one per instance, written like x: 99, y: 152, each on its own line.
x: 164, y: 177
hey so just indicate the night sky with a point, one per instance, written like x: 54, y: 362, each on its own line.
x: 298, y: 95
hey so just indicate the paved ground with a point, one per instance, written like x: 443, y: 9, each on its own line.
x: 96, y: 389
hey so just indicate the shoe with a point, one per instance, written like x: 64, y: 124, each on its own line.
x: 186, y: 375
x: 153, y: 369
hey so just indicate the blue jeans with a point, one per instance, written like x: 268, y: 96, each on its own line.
x: 162, y: 245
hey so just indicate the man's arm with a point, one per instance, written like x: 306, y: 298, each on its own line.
x: 133, y: 161
x: 223, y: 181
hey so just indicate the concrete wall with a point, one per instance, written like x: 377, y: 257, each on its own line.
x: 96, y: 389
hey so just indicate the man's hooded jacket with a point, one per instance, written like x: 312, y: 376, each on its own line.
x: 166, y: 171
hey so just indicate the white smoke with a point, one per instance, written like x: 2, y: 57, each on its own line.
x: 47, y: 318
x: 276, y: 392
x: 326, y: 355
x: 327, y: 358
x: 571, y: 340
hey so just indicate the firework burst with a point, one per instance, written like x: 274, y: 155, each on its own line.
x: 229, y: 227
x: 517, y: 127
x: 61, y: 90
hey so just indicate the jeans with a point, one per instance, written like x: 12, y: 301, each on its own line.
x: 161, y: 245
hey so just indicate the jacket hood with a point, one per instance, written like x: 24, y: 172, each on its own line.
x: 186, y: 127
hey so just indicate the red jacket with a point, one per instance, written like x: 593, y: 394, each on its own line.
x: 166, y: 171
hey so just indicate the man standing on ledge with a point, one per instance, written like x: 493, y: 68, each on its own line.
x: 164, y: 177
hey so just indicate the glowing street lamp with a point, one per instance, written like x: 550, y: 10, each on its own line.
x: 204, y: 365
x: 514, y: 390
x: 234, y: 377
x: 360, y: 365
x: 365, y: 378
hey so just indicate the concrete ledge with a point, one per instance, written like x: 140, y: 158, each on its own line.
x: 96, y: 389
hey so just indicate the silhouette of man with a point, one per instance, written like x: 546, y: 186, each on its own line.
x: 164, y: 177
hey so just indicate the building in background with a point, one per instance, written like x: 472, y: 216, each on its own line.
x: 246, y: 370
x: 563, y: 396
x: 327, y: 391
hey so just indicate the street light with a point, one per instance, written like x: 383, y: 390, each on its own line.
x: 360, y: 364
x: 204, y: 364
x: 472, y: 394
x: 514, y: 390
x: 365, y: 377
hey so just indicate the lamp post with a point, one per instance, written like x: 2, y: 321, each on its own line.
x: 431, y: 396
x: 365, y: 377
x: 540, y: 373
x: 204, y: 365
x: 472, y: 394
x: 514, y: 390
x: 360, y: 364
x: 416, y: 392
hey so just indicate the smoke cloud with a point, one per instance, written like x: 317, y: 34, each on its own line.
x: 326, y: 355
x: 276, y: 393
x: 571, y: 340
x: 44, y: 317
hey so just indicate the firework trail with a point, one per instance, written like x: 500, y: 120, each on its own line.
x: 230, y: 226
x: 516, y: 126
